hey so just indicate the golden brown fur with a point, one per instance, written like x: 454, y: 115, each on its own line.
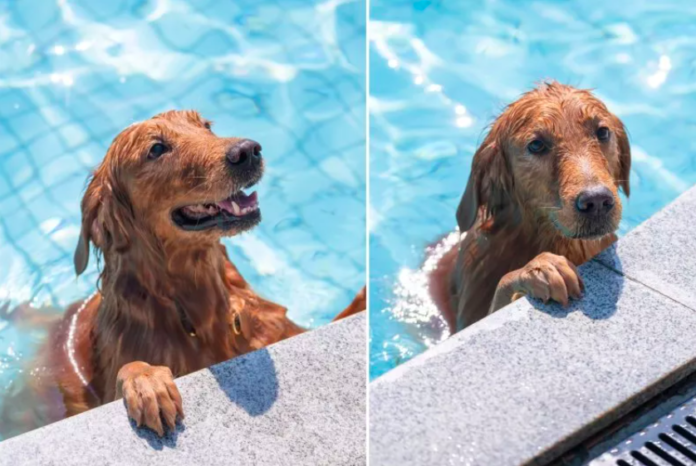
x: 170, y: 300
x: 524, y: 230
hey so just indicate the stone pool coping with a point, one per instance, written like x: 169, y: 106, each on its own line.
x: 531, y: 381
x: 298, y: 402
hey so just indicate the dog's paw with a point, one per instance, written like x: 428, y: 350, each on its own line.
x: 549, y: 276
x: 150, y: 395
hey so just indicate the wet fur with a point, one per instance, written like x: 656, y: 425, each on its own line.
x: 517, y: 206
x: 157, y: 282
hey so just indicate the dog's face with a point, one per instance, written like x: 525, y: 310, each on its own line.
x: 560, y: 155
x: 172, y: 176
x: 186, y: 179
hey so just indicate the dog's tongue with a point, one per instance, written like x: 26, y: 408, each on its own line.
x: 236, y: 204
x: 245, y: 201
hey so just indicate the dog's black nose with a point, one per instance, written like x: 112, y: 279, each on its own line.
x: 245, y: 151
x: 597, y: 200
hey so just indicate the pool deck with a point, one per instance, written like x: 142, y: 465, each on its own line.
x: 299, y: 402
x: 531, y: 381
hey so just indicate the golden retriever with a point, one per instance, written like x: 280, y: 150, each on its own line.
x: 542, y: 198
x: 170, y: 301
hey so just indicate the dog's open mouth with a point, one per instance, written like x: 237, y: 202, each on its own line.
x: 239, y: 210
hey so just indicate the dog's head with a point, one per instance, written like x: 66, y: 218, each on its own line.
x: 172, y: 178
x: 556, y: 154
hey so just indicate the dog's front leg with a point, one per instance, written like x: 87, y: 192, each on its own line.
x: 547, y: 276
x: 150, y: 395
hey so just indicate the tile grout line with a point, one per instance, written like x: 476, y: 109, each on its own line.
x: 638, y: 282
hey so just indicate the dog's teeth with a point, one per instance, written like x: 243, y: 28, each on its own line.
x: 235, y: 209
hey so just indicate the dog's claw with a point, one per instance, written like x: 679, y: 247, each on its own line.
x: 150, y: 394
x: 550, y: 277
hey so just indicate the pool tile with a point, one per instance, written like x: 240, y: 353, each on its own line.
x: 74, y: 135
x: 9, y: 143
x: 45, y: 149
x: 37, y: 15
x: 38, y: 248
x: 14, y: 104
x: 17, y: 167
x: 18, y: 223
x: 5, y: 186
x: 29, y: 126
x: 41, y: 205
x: 61, y: 168
x: 30, y: 191
x: 10, y: 205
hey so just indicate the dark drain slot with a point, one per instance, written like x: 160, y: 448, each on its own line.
x: 643, y: 459
x: 684, y: 433
x: 681, y: 448
x: 669, y: 441
x: 691, y: 420
x: 663, y: 454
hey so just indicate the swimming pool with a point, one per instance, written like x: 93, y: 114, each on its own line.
x: 441, y: 71
x: 288, y: 74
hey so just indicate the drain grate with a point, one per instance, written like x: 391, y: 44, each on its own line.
x: 671, y: 441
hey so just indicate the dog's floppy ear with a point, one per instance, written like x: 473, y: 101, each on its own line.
x: 490, y: 182
x: 469, y: 204
x: 624, y: 160
x: 107, y: 216
x: 91, y: 203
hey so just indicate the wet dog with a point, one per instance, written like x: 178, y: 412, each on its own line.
x: 170, y: 301
x: 542, y: 198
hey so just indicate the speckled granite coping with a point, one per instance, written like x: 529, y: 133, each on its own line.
x: 531, y: 381
x: 661, y: 252
x: 299, y: 402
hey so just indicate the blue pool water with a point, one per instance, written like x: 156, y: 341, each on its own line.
x: 441, y: 71
x: 289, y: 74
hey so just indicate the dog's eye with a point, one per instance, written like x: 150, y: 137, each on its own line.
x: 603, y: 133
x: 207, y: 125
x: 537, y: 146
x: 157, y: 150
